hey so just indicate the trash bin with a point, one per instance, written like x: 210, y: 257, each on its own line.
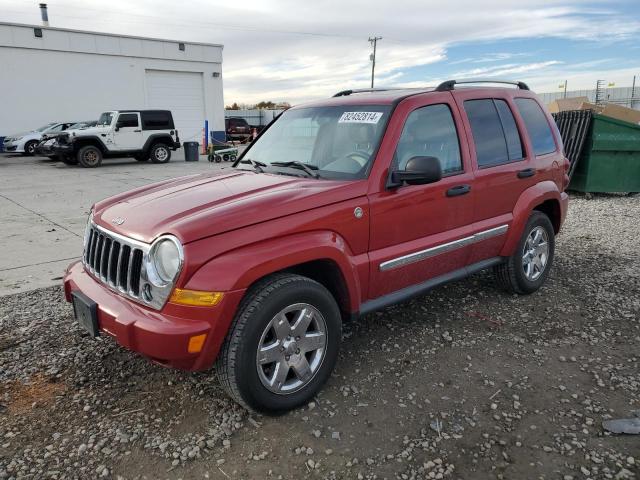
x: 607, y: 157
x: 191, y: 153
x: 611, y: 158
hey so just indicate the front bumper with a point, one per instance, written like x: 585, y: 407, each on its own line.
x: 13, y: 147
x: 163, y: 336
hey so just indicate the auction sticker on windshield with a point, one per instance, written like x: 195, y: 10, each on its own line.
x: 360, y: 117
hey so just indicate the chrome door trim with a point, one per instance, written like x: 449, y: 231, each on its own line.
x: 445, y: 247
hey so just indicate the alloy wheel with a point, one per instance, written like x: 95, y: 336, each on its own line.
x: 291, y: 348
x: 161, y: 154
x: 90, y: 157
x: 535, y: 254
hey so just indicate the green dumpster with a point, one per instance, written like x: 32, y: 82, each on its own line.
x: 610, y: 160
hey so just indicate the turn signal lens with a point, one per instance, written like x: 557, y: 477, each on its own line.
x: 195, y: 298
x: 196, y: 343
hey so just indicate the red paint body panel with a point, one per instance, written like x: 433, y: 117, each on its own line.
x: 417, y: 217
x: 237, y: 227
x: 161, y: 336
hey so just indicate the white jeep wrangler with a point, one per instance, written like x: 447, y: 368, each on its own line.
x: 142, y: 134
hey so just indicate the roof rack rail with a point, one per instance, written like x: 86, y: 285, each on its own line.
x: 344, y: 93
x: 450, y: 84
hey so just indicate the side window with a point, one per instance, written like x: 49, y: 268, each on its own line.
x: 156, y: 120
x: 430, y: 132
x: 537, y: 125
x: 494, y: 130
x: 57, y: 128
x: 511, y: 135
x: 128, y: 120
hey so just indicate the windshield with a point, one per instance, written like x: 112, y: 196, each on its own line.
x: 105, y: 118
x: 45, y: 127
x: 336, y: 142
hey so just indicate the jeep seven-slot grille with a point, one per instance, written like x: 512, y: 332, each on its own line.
x: 114, y: 261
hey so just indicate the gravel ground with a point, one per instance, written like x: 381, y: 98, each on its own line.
x: 466, y: 382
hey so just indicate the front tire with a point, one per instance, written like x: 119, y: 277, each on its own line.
x: 526, y: 270
x: 90, y: 156
x: 282, y: 345
x: 160, y: 153
x: 30, y: 148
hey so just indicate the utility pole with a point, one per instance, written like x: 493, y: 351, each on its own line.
x: 565, y: 89
x: 373, y: 41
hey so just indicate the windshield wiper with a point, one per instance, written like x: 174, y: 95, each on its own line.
x: 258, y: 166
x: 305, y: 167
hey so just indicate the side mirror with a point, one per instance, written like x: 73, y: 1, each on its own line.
x: 418, y: 171
x: 118, y: 125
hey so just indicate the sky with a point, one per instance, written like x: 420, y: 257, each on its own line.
x: 294, y: 51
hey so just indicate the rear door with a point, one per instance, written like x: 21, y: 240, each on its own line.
x: 418, y: 231
x: 501, y: 164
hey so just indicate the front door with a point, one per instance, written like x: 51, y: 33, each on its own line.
x: 418, y: 231
x: 128, y: 134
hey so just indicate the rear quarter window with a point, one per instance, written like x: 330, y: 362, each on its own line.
x: 157, y: 121
x: 537, y: 126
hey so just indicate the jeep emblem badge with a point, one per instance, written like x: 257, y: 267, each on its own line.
x: 118, y: 221
x: 358, y: 213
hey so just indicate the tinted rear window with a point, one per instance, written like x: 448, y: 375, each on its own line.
x: 514, y: 145
x: 494, y: 130
x: 157, y: 121
x: 537, y: 125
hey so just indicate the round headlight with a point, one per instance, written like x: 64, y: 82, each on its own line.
x: 166, y: 259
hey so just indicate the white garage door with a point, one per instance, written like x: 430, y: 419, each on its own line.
x: 183, y: 94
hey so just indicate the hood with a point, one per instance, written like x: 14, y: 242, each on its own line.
x: 199, y: 206
x: 89, y: 130
x: 21, y: 134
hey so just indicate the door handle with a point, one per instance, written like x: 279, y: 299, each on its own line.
x: 103, y: 134
x: 138, y: 130
x: 458, y: 190
x: 526, y: 173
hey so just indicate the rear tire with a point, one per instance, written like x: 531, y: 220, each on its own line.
x: 526, y: 270
x: 160, y: 153
x: 271, y: 366
x: 90, y: 156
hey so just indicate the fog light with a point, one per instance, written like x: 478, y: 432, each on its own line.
x: 196, y: 343
x: 195, y: 298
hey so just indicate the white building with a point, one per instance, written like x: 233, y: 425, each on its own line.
x: 54, y: 74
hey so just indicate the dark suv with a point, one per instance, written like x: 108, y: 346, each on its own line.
x: 237, y: 128
x: 339, y: 208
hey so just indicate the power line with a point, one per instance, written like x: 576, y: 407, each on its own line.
x: 223, y: 26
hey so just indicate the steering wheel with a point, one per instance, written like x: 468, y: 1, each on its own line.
x: 360, y: 157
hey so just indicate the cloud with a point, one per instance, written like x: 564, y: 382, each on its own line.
x: 290, y: 50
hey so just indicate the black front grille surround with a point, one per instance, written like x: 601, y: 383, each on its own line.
x: 121, y: 264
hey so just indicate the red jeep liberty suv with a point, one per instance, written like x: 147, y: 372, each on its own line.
x: 339, y: 208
